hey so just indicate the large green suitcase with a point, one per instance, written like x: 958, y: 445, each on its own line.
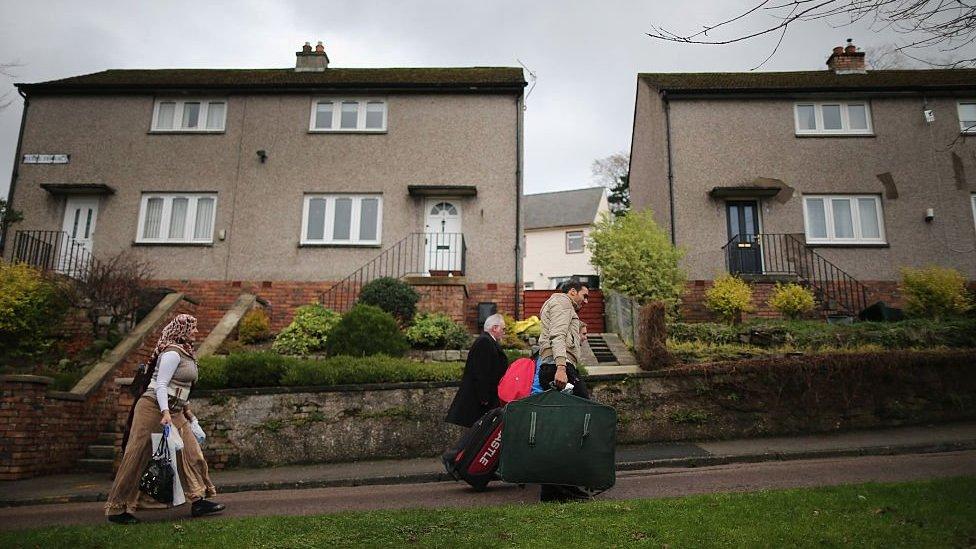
x: 554, y: 438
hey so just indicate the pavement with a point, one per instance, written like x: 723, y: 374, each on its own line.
x: 953, y: 437
x: 643, y: 483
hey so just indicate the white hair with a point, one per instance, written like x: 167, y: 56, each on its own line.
x: 494, y: 320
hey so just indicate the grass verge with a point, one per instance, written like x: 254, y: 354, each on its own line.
x: 937, y: 513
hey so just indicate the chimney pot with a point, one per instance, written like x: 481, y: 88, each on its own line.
x: 319, y: 48
x: 311, y: 61
x: 307, y: 48
x: 846, y: 60
x: 851, y: 48
x: 838, y: 50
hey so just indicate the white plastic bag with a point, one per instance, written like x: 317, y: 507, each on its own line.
x: 175, y: 440
x: 198, y: 431
x: 179, y: 498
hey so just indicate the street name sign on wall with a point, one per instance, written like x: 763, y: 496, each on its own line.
x: 46, y: 158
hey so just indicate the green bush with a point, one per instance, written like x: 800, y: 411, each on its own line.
x: 261, y: 369
x: 342, y: 370
x: 729, y: 297
x: 254, y: 327
x: 32, y: 307
x: 393, y: 296
x: 367, y: 330
x: 705, y: 332
x: 308, y: 332
x: 212, y: 373
x: 792, y: 300
x: 511, y: 340
x: 636, y: 258
x: 934, y: 292
x: 437, y: 331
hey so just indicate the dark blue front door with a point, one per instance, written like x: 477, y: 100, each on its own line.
x: 744, y: 253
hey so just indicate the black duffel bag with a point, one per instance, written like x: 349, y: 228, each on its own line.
x: 157, y: 477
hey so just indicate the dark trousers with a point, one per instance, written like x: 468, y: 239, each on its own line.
x: 547, y: 372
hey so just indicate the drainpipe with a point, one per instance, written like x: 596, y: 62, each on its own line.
x: 15, y: 172
x: 517, y: 313
x: 667, y: 123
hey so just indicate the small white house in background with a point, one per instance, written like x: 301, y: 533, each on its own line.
x: 556, y: 227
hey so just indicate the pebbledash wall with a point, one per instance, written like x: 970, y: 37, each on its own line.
x: 45, y: 432
x: 457, y: 298
x: 267, y: 427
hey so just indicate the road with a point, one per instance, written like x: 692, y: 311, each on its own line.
x: 651, y: 483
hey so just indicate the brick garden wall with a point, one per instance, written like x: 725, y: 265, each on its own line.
x: 44, y: 432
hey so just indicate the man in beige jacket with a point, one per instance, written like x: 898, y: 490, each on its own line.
x: 560, y: 341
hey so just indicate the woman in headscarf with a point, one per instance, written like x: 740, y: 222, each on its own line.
x: 163, y: 402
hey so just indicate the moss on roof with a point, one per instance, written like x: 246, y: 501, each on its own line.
x: 826, y: 80
x: 446, y: 77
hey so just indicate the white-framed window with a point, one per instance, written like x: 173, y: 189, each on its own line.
x: 843, y: 219
x: 555, y: 281
x: 529, y: 286
x: 967, y: 116
x: 333, y: 114
x: 832, y: 118
x: 189, y: 115
x: 342, y: 219
x: 574, y: 242
x: 177, y: 218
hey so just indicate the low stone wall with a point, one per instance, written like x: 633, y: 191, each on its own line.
x: 249, y: 427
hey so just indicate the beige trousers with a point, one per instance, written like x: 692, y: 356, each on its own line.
x: 125, y: 496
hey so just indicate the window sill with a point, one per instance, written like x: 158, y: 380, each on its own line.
x: 175, y: 244
x: 348, y: 131
x: 334, y: 245
x: 186, y: 132
x: 806, y: 135
x: 847, y: 245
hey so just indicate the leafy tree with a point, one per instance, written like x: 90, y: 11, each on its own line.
x: 608, y: 171
x: 636, y: 258
x: 619, y: 197
x: 8, y: 215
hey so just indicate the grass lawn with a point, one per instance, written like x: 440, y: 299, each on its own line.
x: 940, y: 513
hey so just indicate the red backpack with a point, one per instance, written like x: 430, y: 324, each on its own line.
x: 517, y: 381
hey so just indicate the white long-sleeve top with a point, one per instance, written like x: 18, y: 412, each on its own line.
x: 165, y: 368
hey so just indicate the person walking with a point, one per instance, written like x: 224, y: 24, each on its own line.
x: 164, y: 402
x: 484, y: 368
x: 560, y: 348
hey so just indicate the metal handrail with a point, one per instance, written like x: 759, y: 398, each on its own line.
x: 417, y: 254
x: 788, y: 255
x: 53, y: 251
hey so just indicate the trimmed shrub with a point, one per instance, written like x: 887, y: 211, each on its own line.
x: 934, y: 292
x: 212, y: 373
x: 437, y: 331
x: 254, y: 369
x: 254, y: 327
x: 31, y: 309
x: 792, y: 300
x: 308, y: 332
x: 393, y: 296
x: 366, y: 330
x: 343, y: 370
x: 510, y: 340
x: 705, y: 332
x: 729, y: 297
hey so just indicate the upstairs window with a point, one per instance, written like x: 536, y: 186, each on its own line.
x: 574, y: 242
x: 967, y: 116
x: 342, y: 219
x: 843, y: 219
x: 189, y: 115
x: 177, y: 218
x: 833, y: 118
x: 348, y: 115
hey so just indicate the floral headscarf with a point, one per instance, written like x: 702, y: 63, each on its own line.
x: 177, y: 333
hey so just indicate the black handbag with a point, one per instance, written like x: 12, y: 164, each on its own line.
x: 157, y: 477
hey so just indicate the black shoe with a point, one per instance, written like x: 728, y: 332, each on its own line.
x: 124, y: 518
x: 203, y: 507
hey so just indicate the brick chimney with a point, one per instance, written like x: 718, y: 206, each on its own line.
x: 847, y: 60
x: 311, y: 61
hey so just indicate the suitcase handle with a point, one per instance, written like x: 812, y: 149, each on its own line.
x: 586, y: 429
x: 532, y: 430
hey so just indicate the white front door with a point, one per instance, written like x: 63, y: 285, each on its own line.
x: 80, y: 216
x: 443, y: 251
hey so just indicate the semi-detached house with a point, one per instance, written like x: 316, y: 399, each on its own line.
x: 296, y: 184
x: 835, y: 178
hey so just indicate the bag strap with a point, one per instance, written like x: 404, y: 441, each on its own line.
x: 532, y: 429
x: 586, y: 429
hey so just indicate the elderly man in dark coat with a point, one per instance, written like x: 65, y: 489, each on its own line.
x: 483, y: 370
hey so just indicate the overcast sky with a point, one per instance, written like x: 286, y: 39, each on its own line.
x: 586, y: 56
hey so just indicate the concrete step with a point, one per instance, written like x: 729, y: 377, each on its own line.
x: 100, y: 451
x: 96, y: 465
x: 106, y: 438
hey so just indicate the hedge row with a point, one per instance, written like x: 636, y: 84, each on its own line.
x: 266, y: 369
x: 812, y: 335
